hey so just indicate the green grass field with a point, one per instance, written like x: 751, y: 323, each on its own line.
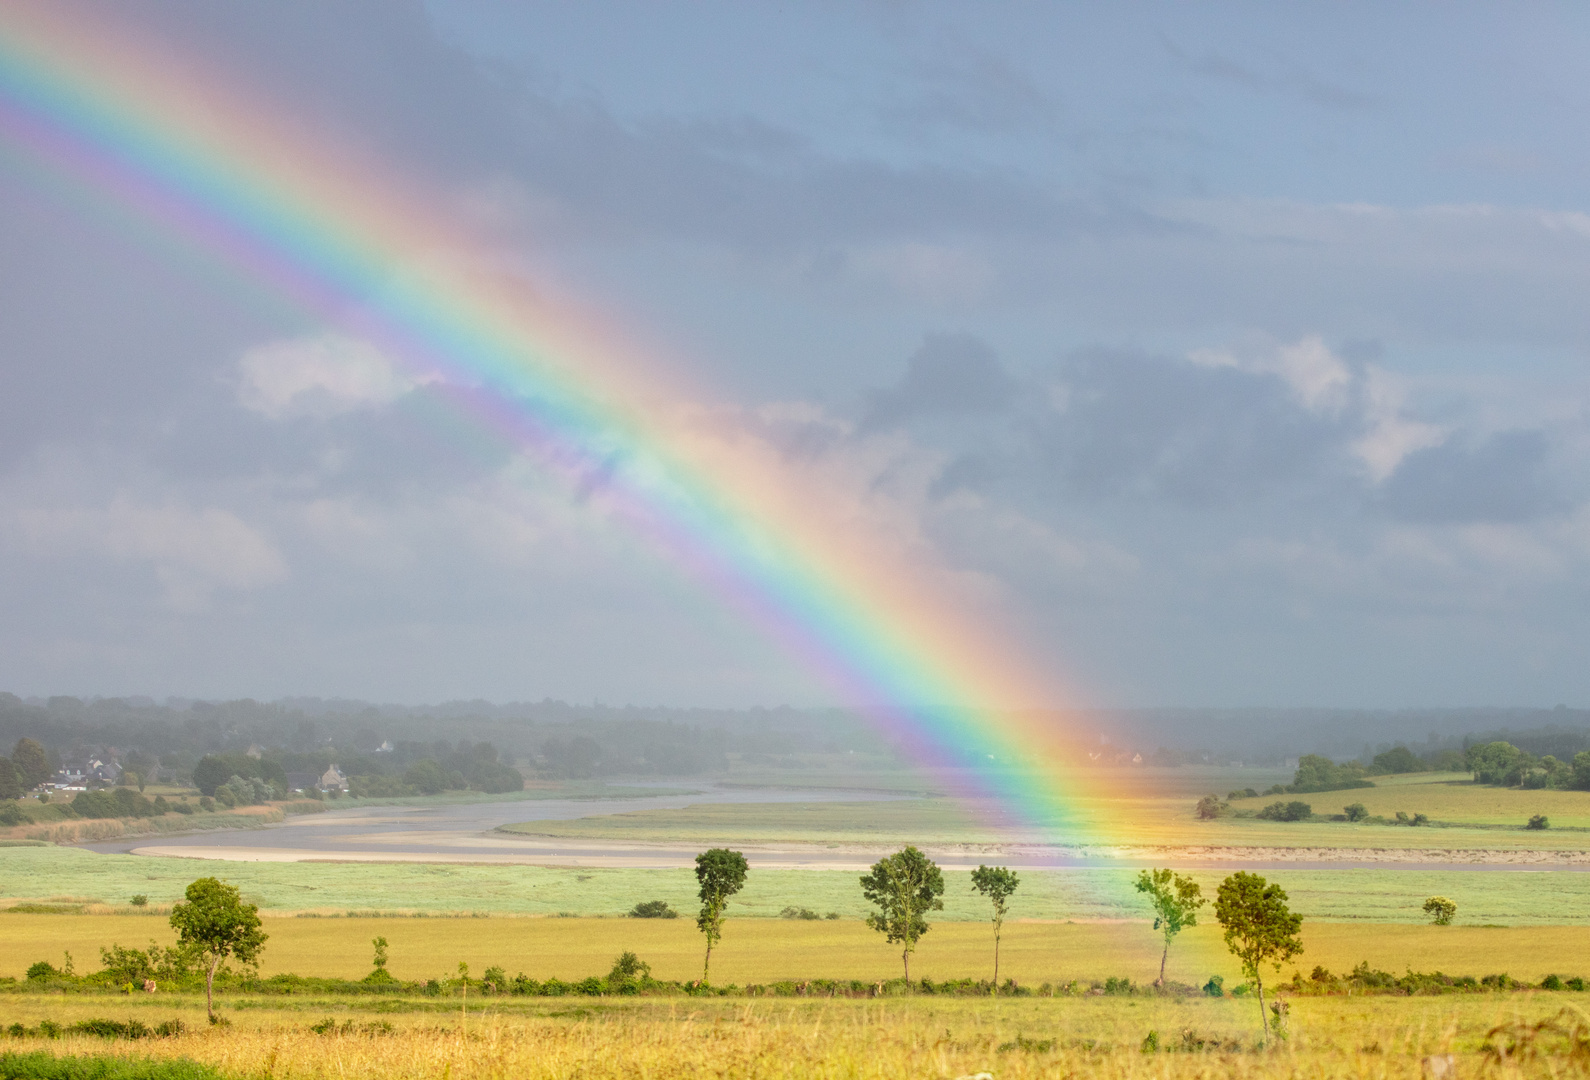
x: 1508, y: 897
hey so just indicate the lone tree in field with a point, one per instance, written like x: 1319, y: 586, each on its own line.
x: 905, y: 886
x: 1176, y: 901
x: 721, y: 873
x: 1440, y: 909
x: 1259, y: 926
x: 997, y: 883
x: 215, y: 921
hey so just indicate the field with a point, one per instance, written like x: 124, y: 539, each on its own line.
x: 766, y: 950
x: 1514, y: 897
x: 1137, y: 808
x: 787, y: 1038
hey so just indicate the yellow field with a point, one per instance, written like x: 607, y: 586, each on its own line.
x: 921, y: 1037
x: 768, y: 950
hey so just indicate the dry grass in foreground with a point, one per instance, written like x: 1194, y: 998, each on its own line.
x: 1098, y: 1037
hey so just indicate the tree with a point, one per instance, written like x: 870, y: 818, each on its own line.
x: 905, y: 886
x: 1176, y: 901
x: 721, y: 873
x: 1399, y: 759
x: 1208, y: 808
x: 32, y: 762
x: 11, y: 785
x: 997, y: 883
x: 1441, y: 910
x: 1356, y: 812
x: 215, y: 921
x: 1259, y: 927
x: 427, y: 776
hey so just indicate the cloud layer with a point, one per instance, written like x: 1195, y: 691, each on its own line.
x: 1218, y: 360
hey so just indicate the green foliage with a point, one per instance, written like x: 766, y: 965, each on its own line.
x: 1318, y: 773
x: 1215, y: 987
x: 214, y: 770
x: 998, y: 884
x: 164, y: 965
x: 1355, y: 812
x: 11, y: 784
x: 427, y: 777
x: 1176, y: 900
x: 904, y: 886
x: 1399, y: 759
x: 721, y: 873
x: 653, y: 909
x: 1538, y: 821
x: 1259, y: 927
x: 113, y: 803
x: 378, y: 961
x: 1288, y: 811
x: 805, y: 914
x: 1441, y: 910
x: 1208, y: 808
x: 627, y: 972
x: 31, y: 761
x: 214, y: 921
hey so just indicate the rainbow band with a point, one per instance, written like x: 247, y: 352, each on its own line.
x: 341, y: 240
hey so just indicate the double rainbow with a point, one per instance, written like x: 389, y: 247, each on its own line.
x: 352, y: 246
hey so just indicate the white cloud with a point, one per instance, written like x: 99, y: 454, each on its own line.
x: 1319, y: 379
x: 319, y: 376
x: 1390, y: 436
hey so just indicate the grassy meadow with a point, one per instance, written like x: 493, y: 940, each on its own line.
x: 106, y: 883
x: 788, y: 1038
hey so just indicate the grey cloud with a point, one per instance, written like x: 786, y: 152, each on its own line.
x: 1504, y: 478
x: 950, y: 375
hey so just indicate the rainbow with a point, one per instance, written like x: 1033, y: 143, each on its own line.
x: 172, y: 146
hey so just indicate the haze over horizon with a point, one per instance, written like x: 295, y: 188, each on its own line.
x: 1230, y: 357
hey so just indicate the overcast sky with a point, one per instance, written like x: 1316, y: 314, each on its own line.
x: 1240, y: 349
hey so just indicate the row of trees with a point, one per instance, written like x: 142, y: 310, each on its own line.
x: 1505, y: 765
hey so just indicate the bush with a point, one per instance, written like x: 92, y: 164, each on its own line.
x: 1115, y: 986
x: 1208, y: 808
x: 1290, y: 811
x: 1539, y: 821
x: 1356, y: 812
x: 1245, y: 793
x: 1441, y: 910
x: 653, y: 909
x: 140, y: 900
x: 1551, y: 982
x: 41, y: 971
x: 1215, y: 987
x: 798, y: 913
x: 1316, y: 772
x: 1398, y: 759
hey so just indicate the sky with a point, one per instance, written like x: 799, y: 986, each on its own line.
x: 1224, y: 355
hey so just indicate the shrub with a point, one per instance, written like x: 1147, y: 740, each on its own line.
x: 798, y: 913
x: 1114, y: 986
x: 1290, y: 811
x: 42, y: 970
x: 1538, y: 821
x: 1356, y: 812
x: 1551, y: 982
x: 1420, y: 819
x: 140, y: 900
x: 653, y: 909
x: 1208, y: 808
x: 1441, y: 910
